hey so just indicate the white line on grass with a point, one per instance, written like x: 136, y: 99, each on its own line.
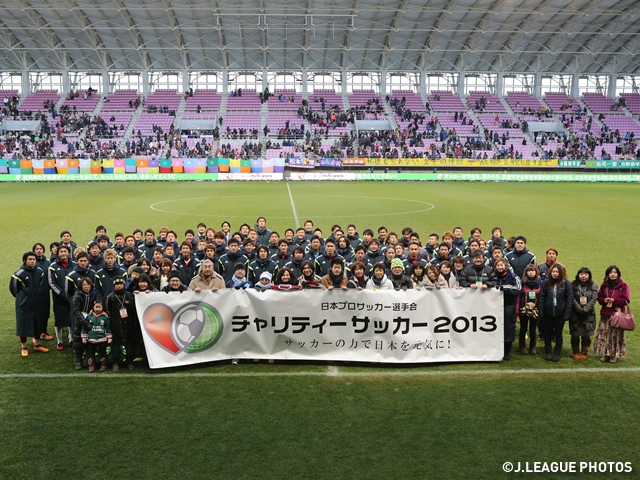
x: 331, y: 372
x: 293, y: 207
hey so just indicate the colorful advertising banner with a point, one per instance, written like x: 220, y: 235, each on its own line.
x: 458, y: 162
x: 413, y: 326
x: 570, y: 163
x: 116, y: 177
x: 299, y: 162
x: 614, y: 164
x: 329, y: 162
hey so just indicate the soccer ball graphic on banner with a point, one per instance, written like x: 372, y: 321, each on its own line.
x: 194, y: 327
x: 188, y: 324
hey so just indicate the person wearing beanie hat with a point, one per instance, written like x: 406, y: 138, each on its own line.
x: 264, y: 282
x: 120, y: 307
x: 207, y: 278
x: 398, y: 278
x: 175, y: 283
x: 266, y: 275
x: 239, y: 280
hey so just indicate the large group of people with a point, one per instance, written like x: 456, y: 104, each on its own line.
x: 92, y: 289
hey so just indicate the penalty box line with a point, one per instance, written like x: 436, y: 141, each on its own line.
x: 332, y: 371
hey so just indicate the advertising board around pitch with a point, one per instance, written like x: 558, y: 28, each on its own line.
x: 386, y: 326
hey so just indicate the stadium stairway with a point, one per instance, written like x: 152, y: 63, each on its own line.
x: 528, y: 135
x: 391, y: 114
x: 597, y: 122
x: 99, y: 105
x: 429, y: 113
x: 264, y: 118
x: 132, y: 124
x: 179, y: 112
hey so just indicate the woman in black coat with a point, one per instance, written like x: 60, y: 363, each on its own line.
x: 555, y: 305
x: 583, y: 317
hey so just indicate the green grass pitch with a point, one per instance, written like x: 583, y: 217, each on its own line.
x: 456, y: 421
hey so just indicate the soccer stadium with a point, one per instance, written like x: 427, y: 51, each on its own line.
x: 389, y: 237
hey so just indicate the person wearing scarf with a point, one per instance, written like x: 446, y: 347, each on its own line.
x: 613, y: 295
x: 358, y: 279
x: 527, y: 309
x: 511, y: 285
x: 417, y: 275
x: 264, y: 282
x: 379, y: 280
x: 308, y: 277
x: 239, y: 279
x: 335, y: 278
x: 556, y: 303
x: 583, y: 316
x: 285, y: 280
x: 398, y: 278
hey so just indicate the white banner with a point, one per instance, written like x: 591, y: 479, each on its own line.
x: 329, y: 176
x: 250, y: 177
x: 368, y: 326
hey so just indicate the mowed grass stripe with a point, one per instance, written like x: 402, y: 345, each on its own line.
x: 332, y: 372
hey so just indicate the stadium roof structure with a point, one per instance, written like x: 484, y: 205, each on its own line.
x: 528, y: 36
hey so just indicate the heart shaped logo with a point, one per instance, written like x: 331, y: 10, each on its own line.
x: 157, y: 320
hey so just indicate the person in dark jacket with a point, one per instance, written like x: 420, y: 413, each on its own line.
x: 25, y: 285
x: 121, y: 309
x: 520, y: 257
x: 374, y: 254
x: 150, y: 244
x: 57, y: 276
x: 283, y: 256
x: 263, y: 232
x: 345, y: 251
x: 398, y: 278
x: 261, y: 264
x: 45, y: 292
x: 528, y: 310
x: 358, y: 279
x: 297, y: 259
x: 175, y: 283
x: 239, y: 279
x: 83, y: 301
x: 186, y: 264
x: 352, y: 236
x: 323, y: 262
x: 308, y: 278
x: 511, y: 286
x: 106, y: 276
x: 82, y: 269
x: 96, y: 261
x: 477, y: 275
x: 231, y: 258
x: 583, y: 316
x: 556, y: 303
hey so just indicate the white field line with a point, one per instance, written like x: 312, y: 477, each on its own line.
x: 331, y: 372
x: 293, y: 207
